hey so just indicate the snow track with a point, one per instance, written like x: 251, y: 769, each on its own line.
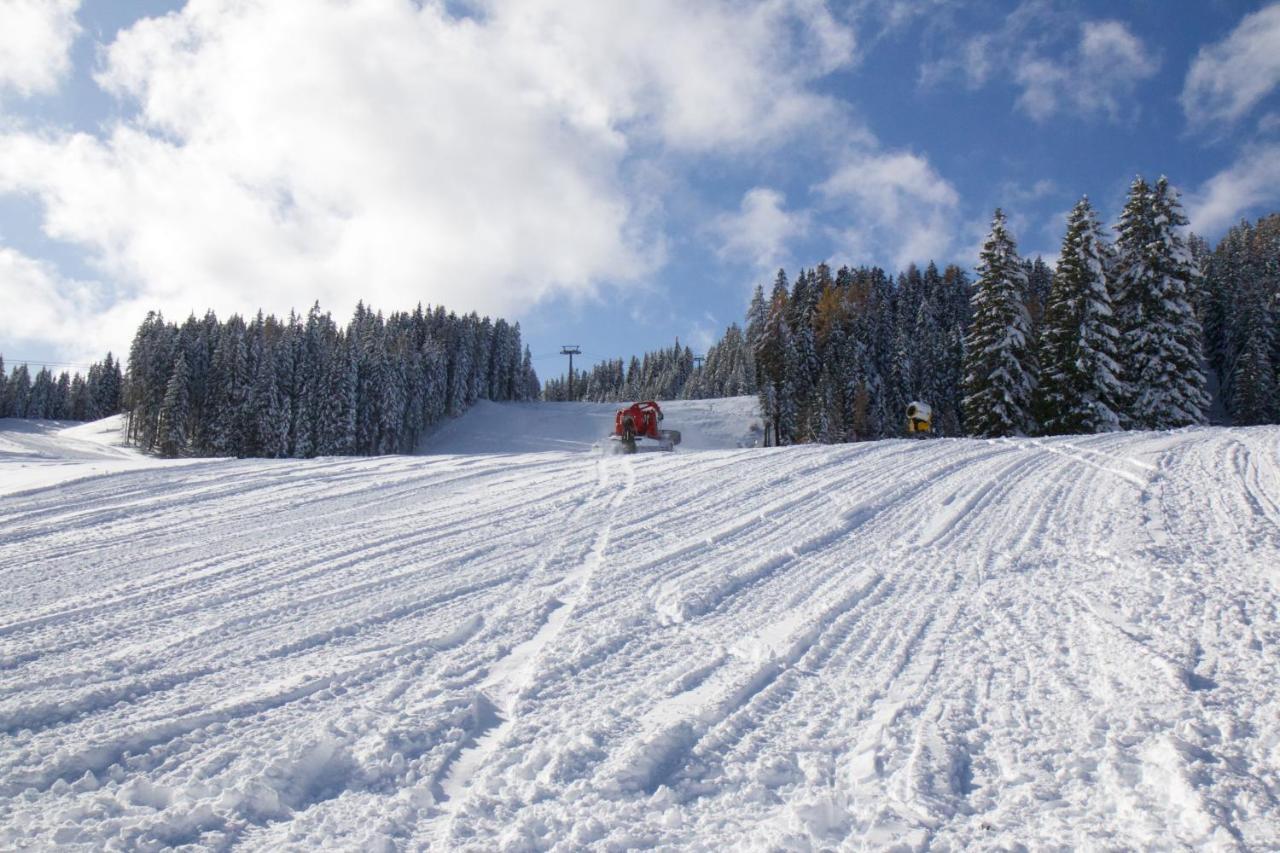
x: 945, y: 644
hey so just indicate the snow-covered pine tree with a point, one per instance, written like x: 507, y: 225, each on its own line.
x: 1201, y: 254
x: 1253, y: 397
x: 460, y: 368
x: 435, y: 373
x: 61, y: 408
x: 1229, y: 271
x: 105, y: 392
x: 227, y: 385
x: 415, y: 388
x: 531, y: 388
x: 336, y: 435
x: 392, y: 401
x: 1160, y: 333
x: 199, y: 338
x: 1036, y: 296
x: 757, y: 314
x: 998, y: 377
x: 19, y: 391
x: 1079, y: 389
x: 889, y: 404
x: 1241, y: 303
x: 80, y: 406
x: 4, y: 386
x: 953, y: 310
x: 804, y: 372
x: 41, y: 395
x: 175, y: 411
x: 776, y: 365
x: 311, y: 347
x: 265, y: 411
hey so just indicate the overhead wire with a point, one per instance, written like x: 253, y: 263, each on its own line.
x: 16, y: 360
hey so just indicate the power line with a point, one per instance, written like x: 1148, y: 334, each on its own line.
x: 16, y: 360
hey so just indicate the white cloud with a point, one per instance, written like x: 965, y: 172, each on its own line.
x: 1096, y: 78
x: 395, y: 152
x: 1269, y: 123
x: 1061, y: 65
x: 887, y: 17
x: 704, y: 333
x: 897, y: 207
x: 987, y: 49
x: 39, y: 307
x: 1228, y: 78
x: 1253, y: 180
x: 35, y: 39
x: 761, y: 228
x: 698, y: 75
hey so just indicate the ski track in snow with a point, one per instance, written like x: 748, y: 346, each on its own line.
x: 1058, y: 643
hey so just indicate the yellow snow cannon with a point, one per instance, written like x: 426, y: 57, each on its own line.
x: 919, y: 419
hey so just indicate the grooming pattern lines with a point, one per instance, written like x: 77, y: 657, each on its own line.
x: 1049, y: 642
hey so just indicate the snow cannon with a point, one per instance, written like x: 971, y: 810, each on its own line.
x: 919, y: 419
x: 640, y: 421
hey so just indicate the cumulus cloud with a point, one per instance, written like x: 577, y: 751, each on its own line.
x: 897, y: 207
x: 1253, y: 180
x: 393, y: 151
x: 760, y: 229
x: 35, y: 40
x: 1228, y: 78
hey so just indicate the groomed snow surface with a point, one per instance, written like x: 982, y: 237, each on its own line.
x: 947, y: 644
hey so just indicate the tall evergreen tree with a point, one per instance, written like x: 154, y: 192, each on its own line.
x: 1036, y: 296
x: 61, y: 408
x: 1253, y: 397
x: 998, y: 365
x: 175, y: 411
x: 1161, y: 335
x: 776, y: 365
x: 19, y: 391
x: 81, y: 407
x: 1079, y: 389
x: 337, y: 429
x: 110, y: 401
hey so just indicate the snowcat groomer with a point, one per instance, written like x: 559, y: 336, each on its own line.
x: 640, y: 420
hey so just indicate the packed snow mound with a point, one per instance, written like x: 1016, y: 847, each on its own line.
x: 538, y: 427
x: 947, y: 644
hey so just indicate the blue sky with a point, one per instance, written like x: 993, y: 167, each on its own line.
x: 612, y: 174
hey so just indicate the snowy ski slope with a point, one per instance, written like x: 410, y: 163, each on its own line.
x: 35, y: 454
x: 540, y: 427
x: 946, y: 644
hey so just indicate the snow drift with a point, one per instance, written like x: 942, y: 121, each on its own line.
x: 951, y: 643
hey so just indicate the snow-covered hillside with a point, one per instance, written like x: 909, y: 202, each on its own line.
x: 953, y: 644
x: 540, y: 427
x: 38, y: 454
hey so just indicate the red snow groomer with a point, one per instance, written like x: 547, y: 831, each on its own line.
x: 640, y: 420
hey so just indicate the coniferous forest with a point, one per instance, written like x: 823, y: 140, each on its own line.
x: 304, y: 387
x: 77, y: 397
x: 1116, y: 336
